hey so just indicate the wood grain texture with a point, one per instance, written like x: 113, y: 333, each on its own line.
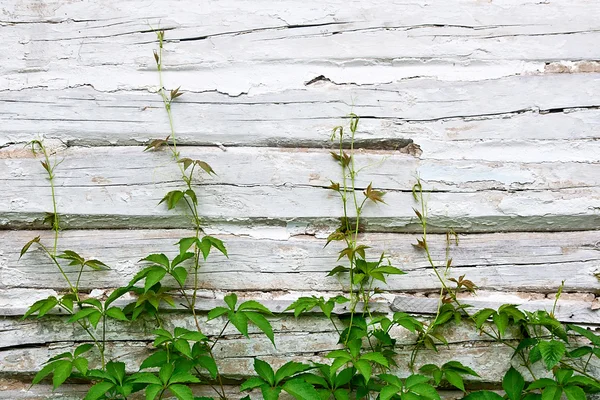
x: 111, y: 45
x: 534, y: 262
x: 524, y: 110
x: 236, y: 353
x: 283, y: 188
x: 495, y: 105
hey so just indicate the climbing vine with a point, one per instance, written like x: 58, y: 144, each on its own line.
x: 550, y: 359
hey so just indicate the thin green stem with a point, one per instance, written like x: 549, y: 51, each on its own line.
x: 53, y: 258
x: 55, y: 221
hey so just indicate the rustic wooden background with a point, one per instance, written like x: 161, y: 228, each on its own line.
x: 495, y: 104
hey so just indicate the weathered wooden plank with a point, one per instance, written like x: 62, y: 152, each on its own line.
x: 14, y: 389
x: 18, y: 389
x: 508, y: 261
x: 127, y: 122
x: 414, y: 109
x: 302, y: 208
x: 247, y: 166
x: 580, y: 308
x: 339, y: 35
x: 257, y: 12
x: 490, y: 360
x: 93, y: 200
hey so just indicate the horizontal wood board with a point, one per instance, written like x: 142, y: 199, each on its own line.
x: 494, y: 105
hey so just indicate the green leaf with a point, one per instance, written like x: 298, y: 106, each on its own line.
x: 153, y: 277
x: 415, y: 379
x: 28, y: 245
x: 147, y: 377
x: 513, y: 384
x: 183, y: 346
x: 96, y: 265
x: 532, y: 396
x: 574, y: 393
x: 183, y: 377
x: 209, y: 364
x: 159, y: 259
x: 388, y: 269
x: 425, y: 390
x: 192, y: 195
x: 584, y: 381
x: 301, y: 390
x: 205, y: 167
x: 186, y: 243
x: 338, y: 270
x: 186, y: 162
x: 341, y: 394
x: 252, y: 383
x: 83, y: 313
x: 60, y: 356
x: 254, y: 306
x: 339, y: 354
x: 270, y: 393
x: 364, y: 368
x: 94, y: 318
x: 482, y: 316
x: 208, y: 242
x: 116, y: 313
x: 501, y: 321
x: 181, y: 258
x: 289, y: 369
x: 262, y: 323
x: 81, y: 364
x: 541, y: 383
x: 387, y: 392
x: 264, y: 370
x: 152, y: 391
x: 42, y: 307
x: 552, y: 352
x: 98, y: 390
x: 99, y: 374
x: 82, y: 349
x: 376, y: 358
x: 562, y: 375
x: 67, y: 301
x: 44, y: 372
x: 455, y: 379
x: 216, y: 312
x: 580, y: 352
x: 231, y: 300
x: 410, y: 396
x: 459, y: 367
x: 239, y: 320
x: 429, y: 368
x: 155, y: 360
x: 483, y: 395
x: 117, y: 370
x: 50, y: 303
x: 172, y: 198
x: 62, y: 371
x: 180, y: 274
x: 165, y: 373
x: 116, y: 294
x: 552, y: 393
x: 595, y: 339
x: 93, y: 302
x: 194, y: 336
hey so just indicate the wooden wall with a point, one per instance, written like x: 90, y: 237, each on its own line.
x: 494, y: 104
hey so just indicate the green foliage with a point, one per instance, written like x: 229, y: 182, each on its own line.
x: 287, y: 378
x: 452, y: 371
x: 365, y: 362
x: 250, y: 310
